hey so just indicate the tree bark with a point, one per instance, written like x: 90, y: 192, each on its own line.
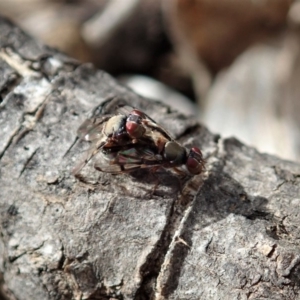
x: 115, y: 236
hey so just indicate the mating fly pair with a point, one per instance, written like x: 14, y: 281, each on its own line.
x: 130, y: 140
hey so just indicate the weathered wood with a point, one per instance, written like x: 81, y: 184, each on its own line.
x: 113, y: 237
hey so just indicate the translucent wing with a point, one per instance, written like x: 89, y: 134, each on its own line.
x: 131, y: 159
x: 124, y: 109
x: 127, y: 110
x: 93, y: 150
x: 153, y: 129
x: 91, y: 129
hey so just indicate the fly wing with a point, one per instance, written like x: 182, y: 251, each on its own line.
x: 124, y: 109
x: 93, y: 150
x: 152, y: 127
x: 116, y: 169
x: 127, y: 110
x: 91, y: 129
x: 124, y: 161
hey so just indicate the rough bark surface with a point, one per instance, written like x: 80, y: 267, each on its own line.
x: 112, y: 236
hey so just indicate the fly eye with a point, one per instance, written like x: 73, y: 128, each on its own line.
x: 173, y: 152
x: 195, y: 161
x: 134, y: 128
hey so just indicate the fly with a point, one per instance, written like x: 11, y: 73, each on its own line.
x: 131, y: 140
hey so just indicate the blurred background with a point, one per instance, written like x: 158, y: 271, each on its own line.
x: 232, y: 64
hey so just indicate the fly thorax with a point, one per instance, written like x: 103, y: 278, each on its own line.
x: 115, y: 126
x: 174, y: 153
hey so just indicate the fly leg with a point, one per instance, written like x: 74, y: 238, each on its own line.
x: 188, y: 186
x: 157, y: 181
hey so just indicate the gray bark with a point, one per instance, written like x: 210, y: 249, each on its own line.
x: 114, y: 236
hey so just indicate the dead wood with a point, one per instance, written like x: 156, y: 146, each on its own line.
x: 112, y: 237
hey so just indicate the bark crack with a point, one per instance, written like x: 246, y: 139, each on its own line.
x: 14, y: 258
x: 28, y: 161
x: 171, y: 236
